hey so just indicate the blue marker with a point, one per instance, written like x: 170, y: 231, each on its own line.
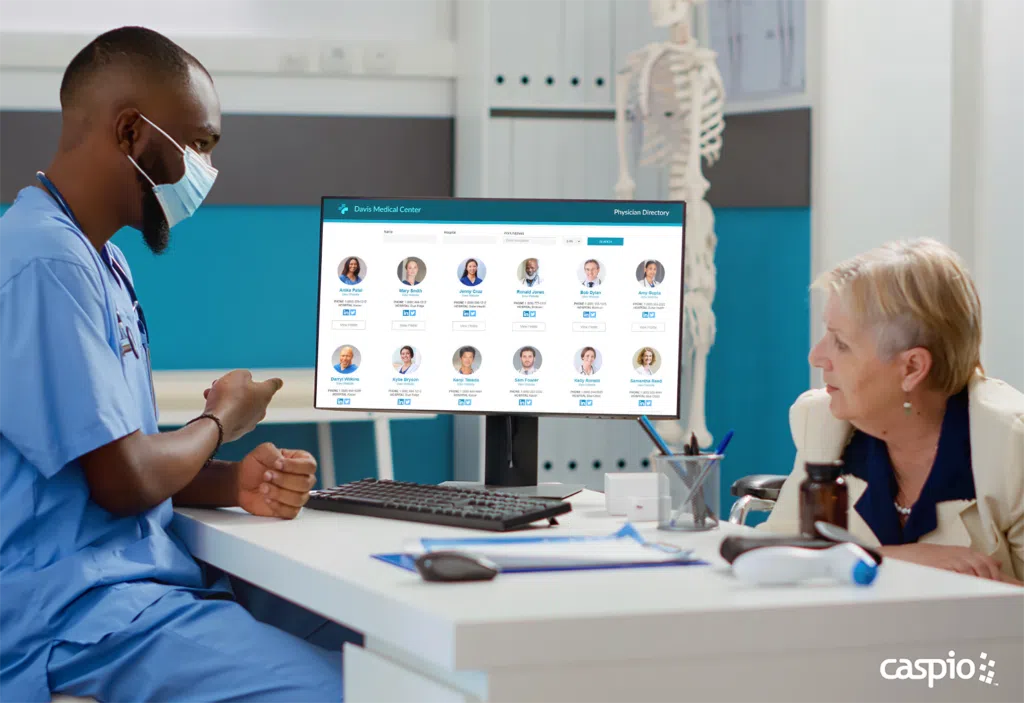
x: 661, y: 444
x: 724, y: 443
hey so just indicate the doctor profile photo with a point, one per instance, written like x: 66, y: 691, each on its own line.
x: 412, y: 271
x: 101, y: 599
x: 345, y: 359
x: 352, y: 270
x: 590, y: 273
x: 588, y: 361
x: 646, y: 362
x: 529, y: 273
x: 649, y: 274
x: 466, y: 361
x: 471, y: 272
x: 405, y: 360
x: 527, y: 361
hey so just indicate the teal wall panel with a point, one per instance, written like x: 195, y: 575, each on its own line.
x: 236, y: 288
x: 758, y: 365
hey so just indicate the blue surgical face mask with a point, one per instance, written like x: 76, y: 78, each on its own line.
x: 180, y: 200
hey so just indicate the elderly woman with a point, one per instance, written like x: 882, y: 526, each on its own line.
x: 933, y: 450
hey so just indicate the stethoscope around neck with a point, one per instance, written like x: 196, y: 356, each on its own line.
x: 113, y: 264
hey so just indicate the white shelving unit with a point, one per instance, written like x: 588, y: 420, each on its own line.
x: 534, y: 119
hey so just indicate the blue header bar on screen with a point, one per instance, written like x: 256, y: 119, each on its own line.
x: 488, y: 211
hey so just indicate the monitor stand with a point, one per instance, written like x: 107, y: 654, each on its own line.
x: 510, y: 451
x: 510, y: 456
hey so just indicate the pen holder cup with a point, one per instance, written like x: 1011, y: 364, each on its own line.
x: 693, y: 482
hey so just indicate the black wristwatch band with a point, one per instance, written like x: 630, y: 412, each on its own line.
x: 220, y: 434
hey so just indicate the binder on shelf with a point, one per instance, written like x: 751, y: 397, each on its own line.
x: 503, y: 79
x: 572, y: 86
x: 541, y: 51
x: 599, y: 65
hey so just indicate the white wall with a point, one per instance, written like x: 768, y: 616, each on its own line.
x: 333, y: 19
x: 999, y: 241
x: 917, y: 131
x: 881, y: 124
x: 880, y: 157
x: 266, y: 56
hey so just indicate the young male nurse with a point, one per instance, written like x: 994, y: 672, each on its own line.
x: 98, y: 596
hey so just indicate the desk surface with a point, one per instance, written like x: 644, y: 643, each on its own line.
x: 322, y: 561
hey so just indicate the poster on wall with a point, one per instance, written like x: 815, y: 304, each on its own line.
x: 761, y: 46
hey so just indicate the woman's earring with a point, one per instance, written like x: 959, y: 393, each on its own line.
x: 906, y: 407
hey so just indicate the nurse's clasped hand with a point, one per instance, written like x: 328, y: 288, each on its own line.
x: 139, y: 471
x: 275, y: 482
x: 239, y: 402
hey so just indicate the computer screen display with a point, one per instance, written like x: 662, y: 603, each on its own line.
x: 542, y: 307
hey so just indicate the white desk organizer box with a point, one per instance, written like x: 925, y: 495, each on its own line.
x: 638, y: 496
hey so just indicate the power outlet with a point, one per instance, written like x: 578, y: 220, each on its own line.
x: 379, y: 60
x: 337, y: 59
x: 293, y: 62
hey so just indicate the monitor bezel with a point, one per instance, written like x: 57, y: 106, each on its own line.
x: 484, y: 413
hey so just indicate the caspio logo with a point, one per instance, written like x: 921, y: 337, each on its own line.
x: 937, y: 669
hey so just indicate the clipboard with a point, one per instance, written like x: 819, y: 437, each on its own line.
x: 624, y: 549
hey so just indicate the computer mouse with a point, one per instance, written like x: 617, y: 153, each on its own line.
x: 455, y: 566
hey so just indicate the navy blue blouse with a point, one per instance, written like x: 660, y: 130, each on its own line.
x: 951, y: 477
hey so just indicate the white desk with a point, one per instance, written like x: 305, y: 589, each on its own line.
x: 179, y: 395
x: 676, y: 633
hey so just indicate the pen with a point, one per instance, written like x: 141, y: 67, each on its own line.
x: 720, y: 449
x: 700, y: 509
x: 660, y: 443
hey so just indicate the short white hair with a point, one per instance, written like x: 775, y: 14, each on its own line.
x: 915, y: 293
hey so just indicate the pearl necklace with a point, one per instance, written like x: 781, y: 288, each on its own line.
x: 905, y: 512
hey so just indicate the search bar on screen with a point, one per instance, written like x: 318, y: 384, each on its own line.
x: 542, y: 240
x: 404, y: 238
x: 468, y: 240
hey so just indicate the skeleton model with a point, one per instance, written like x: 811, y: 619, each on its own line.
x: 671, y: 96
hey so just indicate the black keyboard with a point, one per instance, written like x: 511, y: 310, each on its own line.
x: 440, y: 505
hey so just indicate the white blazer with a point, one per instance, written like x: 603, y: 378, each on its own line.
x: 992, y: 524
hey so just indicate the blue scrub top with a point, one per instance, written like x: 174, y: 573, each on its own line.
x: 466, y: 282
x: 70, y: 384
x: 951, y: 477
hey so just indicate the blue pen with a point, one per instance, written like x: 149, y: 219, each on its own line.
x: 724, y: 443
x: 661, y: 444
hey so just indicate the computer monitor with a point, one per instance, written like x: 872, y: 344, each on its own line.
x: 512, y: 309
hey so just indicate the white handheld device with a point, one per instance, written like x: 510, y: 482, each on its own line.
x: 772, y: 566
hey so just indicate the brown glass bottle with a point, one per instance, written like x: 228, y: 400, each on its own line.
x: 823, y: 496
